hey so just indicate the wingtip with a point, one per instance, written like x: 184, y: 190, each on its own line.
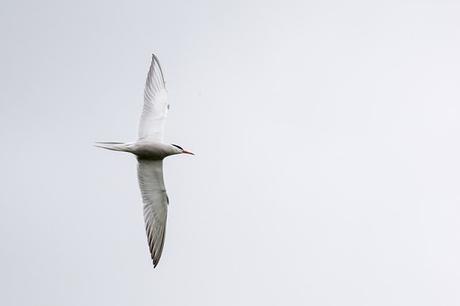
x: 156, y: 62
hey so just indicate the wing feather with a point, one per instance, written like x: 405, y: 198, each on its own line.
x: 150, y: 175
x: 155, y: 109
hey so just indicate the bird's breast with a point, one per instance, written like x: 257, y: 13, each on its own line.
x: 151, y: 150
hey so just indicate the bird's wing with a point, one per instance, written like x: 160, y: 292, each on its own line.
x: 150, y: 175
x: 155, y: 104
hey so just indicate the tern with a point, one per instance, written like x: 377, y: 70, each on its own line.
x: 150, y: 151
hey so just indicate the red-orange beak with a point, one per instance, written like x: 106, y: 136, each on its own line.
x: 187, y: 152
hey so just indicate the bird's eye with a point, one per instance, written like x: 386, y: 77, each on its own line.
x: 179, y: 147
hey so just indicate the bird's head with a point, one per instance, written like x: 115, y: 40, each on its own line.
x: 179, y: 150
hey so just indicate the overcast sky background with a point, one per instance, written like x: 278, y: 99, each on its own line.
x: 327, y: 140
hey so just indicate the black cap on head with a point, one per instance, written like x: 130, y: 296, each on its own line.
x: 179, y: 147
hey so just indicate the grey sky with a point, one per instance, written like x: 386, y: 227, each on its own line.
x: 326, y: 134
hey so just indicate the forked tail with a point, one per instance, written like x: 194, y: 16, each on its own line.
x: 114, y: 146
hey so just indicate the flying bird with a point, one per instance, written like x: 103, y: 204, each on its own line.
x: 150, y: 150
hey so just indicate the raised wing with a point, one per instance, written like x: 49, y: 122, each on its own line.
x: 150, y: 175
x: 155, y: 104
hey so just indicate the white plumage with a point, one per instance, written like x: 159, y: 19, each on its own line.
x: 150, y: 151
x: 155, y: 110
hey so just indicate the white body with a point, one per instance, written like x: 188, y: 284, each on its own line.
x: 150, y: 151
x: 143, y: 149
